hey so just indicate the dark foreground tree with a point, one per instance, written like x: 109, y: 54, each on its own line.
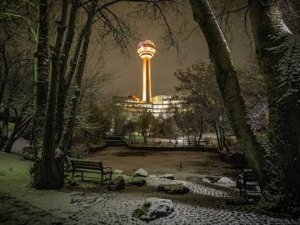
x: 277, y: 165
x: 58, y: 77
x: 16, y: 79
x: 278, y: 51
x: 48, y: 168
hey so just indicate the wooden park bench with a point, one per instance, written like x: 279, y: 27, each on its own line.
x: 115, y: 141
x: 249, y: 186
x: 91, y: 167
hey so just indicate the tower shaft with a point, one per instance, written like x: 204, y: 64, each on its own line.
x: 146, y: 50
x: 147, y: 94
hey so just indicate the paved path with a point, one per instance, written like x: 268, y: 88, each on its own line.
x: 115, y: 208
x: 110, y: 209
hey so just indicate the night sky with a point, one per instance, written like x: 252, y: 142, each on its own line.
x: 128, y: 67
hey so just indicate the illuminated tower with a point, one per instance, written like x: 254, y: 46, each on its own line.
x: 146, y: 50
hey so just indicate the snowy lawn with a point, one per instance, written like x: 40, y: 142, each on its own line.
x: 88, y: 203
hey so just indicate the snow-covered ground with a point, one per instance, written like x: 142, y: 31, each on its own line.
x: 116, y: 209
x: 90, y: 204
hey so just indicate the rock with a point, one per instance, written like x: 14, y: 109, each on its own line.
x: 167, y: 176
x: 119, y: 172
x: 115, y: 175
x: 154, y: 208
x: 154, y: 177
x: 124, y: 176
x: 140, y: 173
x: 226, y: 182
x: 117, y: 183
x: 173, y: 188
x: 205, y: 180
x: 135, y: 181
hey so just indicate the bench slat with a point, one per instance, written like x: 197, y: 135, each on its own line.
x: 89, y: 171
x: 254, y: 194
x: 88, y: 167
x: 86, y: 163
x: 93, y: 171
x: 251, y: 183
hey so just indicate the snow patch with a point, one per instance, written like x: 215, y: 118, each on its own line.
x: 154, y: 208
x: 226, y: 182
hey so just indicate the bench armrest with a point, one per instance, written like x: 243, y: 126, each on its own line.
x: 240, y: 178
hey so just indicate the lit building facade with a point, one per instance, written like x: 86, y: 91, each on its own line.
x: 160, y: 105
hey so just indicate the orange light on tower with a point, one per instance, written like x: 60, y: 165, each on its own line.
x: 146, y: 50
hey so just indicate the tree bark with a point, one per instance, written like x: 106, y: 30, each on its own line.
x: 21, y: 124
x: 4, y: 70
x: 4, y: 127
x: 48, y: 177
x: 41, y: 76
x: 200, y: 133
x: 278, y: 51
x: 215, y: 125
x: 228, y: 84
x: 65, y: 80
x: 86, y: 33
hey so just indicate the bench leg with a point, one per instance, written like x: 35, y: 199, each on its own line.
x: 101, y: 182
x: 81, y: 175
x: 245, y: 194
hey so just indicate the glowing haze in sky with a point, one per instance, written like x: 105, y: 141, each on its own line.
x: 128, y: 68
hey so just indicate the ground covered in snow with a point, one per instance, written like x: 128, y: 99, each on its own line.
x: 89, y: 203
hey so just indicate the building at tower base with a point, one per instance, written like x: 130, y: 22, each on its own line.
x: 160, y: 105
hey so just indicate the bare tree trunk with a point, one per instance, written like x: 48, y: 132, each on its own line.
x: 5, y: 121
x: 224, y: 141
x: 4, y: 127
x: 215, y: 125
x: 188, y: 138
x: 144, y: 133
x: 48, y: 177
x: 200, y: 133
x: 41, y: 77
x: 65, y: 79
x: 21, y: 124
x: 228, y: 84
x: 279, y: 55
x: 4, y: 71
x: 50, y: 124
x: 86, y: 32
